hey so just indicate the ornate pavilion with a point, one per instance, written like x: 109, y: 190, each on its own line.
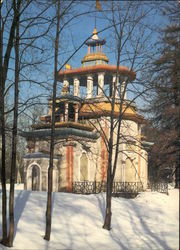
x: 82, y: 112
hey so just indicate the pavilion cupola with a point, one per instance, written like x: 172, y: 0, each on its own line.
x: 95, y: 78
x: 95, y: 55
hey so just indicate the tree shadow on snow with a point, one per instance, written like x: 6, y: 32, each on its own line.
x: 102, y: 205
x: 52, y: 202
x: 20, y: 203
x: 152, y: 240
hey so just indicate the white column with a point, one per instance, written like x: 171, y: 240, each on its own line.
x: 66, y: 112
x: 115, y: 82
x: 123, y: 171
x: 123, y: 89
x: 89, y: 86
x: 61, y: 118
x: 76, y: 108
x: 101, y: 84
x: 75, y: 86
x: 65, y: 88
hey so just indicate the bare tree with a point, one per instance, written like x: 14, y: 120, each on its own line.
x: 14, y: 132
x: 50, y: 169
x: 11, y: 16
x: 130, y: 35
x: 4, y: 64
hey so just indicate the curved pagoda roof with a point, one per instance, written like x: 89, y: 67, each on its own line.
x: 95, y: 40
x: 103, y: 108
x: 93, y: 43
x: 62, y: 133
x: 94, y: 57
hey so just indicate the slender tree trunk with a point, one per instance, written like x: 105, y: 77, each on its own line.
x: 3, y: 139
x: 14, y: 132
x: 3, y: 173
x: 177, y: 182
x: 110, y: 171
x: 50, y: 170
x: 107, y: 221
x: 176, y: 93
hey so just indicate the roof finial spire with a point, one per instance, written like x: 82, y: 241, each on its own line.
x: 95, y: 19
x: 95, y: 31
x: 95, y: 34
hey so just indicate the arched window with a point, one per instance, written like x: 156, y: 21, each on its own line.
x: 55, y: 179
x: 35, y: 178
x: 130, y: 171
x: 83, y: 167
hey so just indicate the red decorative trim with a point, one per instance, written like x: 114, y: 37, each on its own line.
x: 67, y: 168
x: 104, y: 155
x: 72, y: 164
x: 94, y: 69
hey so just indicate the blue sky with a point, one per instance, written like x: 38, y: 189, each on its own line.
x: 78, y: 30
x: 83, y: 27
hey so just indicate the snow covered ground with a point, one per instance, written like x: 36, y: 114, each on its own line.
x: 150, y: 221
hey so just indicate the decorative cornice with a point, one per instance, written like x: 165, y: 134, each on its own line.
x: 68, y: 124
x: 61, y: 133
x: 83, y: 71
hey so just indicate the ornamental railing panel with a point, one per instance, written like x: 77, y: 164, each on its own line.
x: 88, y: 187
x: 161, y: 187
x: 127, y: 187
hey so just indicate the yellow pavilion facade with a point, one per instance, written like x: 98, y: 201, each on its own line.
x: 83, y: 110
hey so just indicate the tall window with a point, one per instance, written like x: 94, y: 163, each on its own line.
x: 83, y: 167
x: 130, y: 171
x: 131, y: 146
x: 35, y: 178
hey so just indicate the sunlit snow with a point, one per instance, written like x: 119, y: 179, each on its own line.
x: 150, y: 221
